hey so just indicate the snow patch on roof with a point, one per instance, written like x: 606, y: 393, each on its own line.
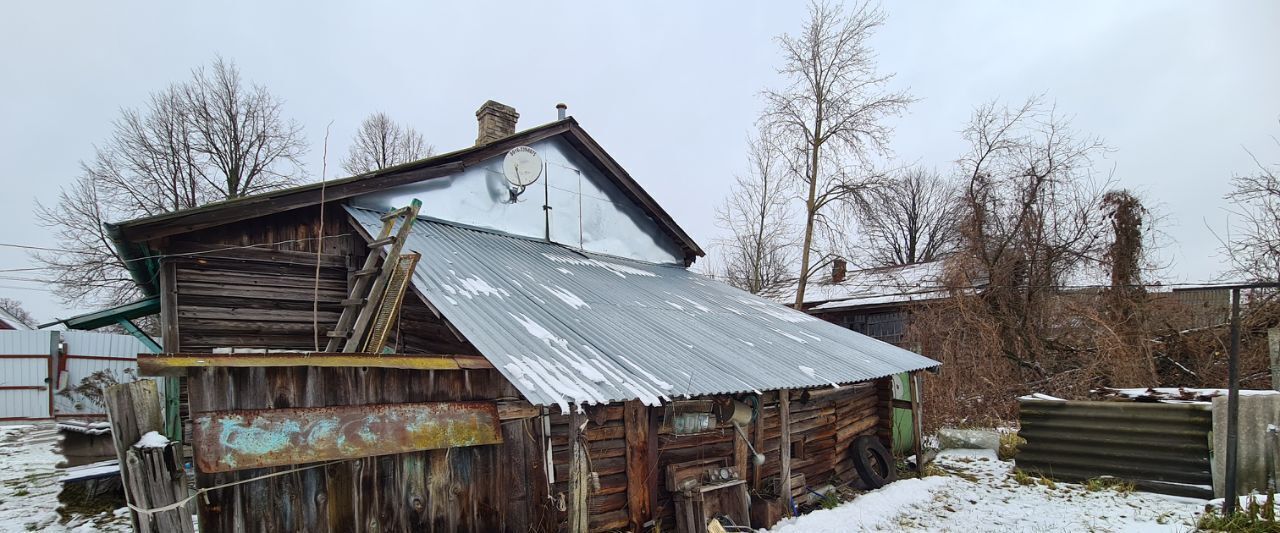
x: 778, y: 311
x: 876, y: 286
x: 618, y: 269
x: 695, y: 305
x: 540, y: 332
x: 570, y: 299
x: 790, y: 336
x: 472, y: 286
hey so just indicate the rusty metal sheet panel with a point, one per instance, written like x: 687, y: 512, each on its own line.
x: 1159, y: 447
x: 236, y: 440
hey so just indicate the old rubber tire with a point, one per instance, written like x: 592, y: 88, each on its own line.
x: 873, y: 462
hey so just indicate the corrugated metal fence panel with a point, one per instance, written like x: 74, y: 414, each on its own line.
x: 22, y: 403
x: 91, y: 344
x: 15, y: 342
x: 24, y: 369
x: 87, y: 353
x: 1159, y: 447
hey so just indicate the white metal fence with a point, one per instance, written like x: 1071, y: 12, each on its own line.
x: 41, y: 370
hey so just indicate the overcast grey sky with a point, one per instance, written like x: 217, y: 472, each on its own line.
x: 1178, y: 89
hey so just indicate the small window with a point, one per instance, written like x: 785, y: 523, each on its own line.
x: 797, y: 449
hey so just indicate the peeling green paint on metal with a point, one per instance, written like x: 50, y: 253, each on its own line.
x: 234, y: 440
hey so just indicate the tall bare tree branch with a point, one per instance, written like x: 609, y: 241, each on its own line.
x: 207, y: 139
x: 911, y: 218
x: 381, y: 143
x: 1253, y: 246
x: 830, y: 116
x: 759, y: 254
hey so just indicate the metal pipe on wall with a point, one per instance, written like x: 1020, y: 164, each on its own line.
x: 1233, y: 404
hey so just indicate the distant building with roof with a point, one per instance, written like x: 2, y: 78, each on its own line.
x: 10, y: 322
x: 876, y: 302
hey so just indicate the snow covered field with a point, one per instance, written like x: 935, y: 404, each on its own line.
x: 979, y: 493
x: 29, y: 485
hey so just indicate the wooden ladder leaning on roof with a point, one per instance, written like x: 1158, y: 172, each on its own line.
x: 364, y: 303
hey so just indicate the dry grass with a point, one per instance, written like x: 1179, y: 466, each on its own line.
x: 1010, y: 442
x: 1254, y: 518
x: 1099, y: 484
x: 1079, y: 350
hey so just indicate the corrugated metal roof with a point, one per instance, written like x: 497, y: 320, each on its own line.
x: 874, y: 286
x: 571, y: 327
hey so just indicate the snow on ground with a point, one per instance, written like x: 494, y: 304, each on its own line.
x: 979, y: 493
x: 29, y: 485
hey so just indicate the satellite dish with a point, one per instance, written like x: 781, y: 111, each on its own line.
x: 522, y: 166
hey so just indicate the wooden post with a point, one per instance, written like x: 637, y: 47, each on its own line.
x: 635, y: 417
x: 169, y: 341
x: 153, y: 477
x: 740, y: 452
x: 784, y: 446
x: 917, y: 430
x: 758, y: 436
x: 579, y: 519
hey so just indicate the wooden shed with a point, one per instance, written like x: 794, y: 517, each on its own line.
x: 549, y: 364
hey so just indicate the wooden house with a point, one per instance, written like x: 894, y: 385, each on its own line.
x: 876, y: 302
x: 554, y: 365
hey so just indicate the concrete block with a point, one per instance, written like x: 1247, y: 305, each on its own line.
x: 968, y: 439
x: 1256, y: 413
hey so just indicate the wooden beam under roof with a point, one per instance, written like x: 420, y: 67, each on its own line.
x: 177, y: 364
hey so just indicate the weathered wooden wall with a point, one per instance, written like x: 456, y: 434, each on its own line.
x: 827, y: 420
x: 253, y: 284
x: 477, y: 488
x: 606, y: 446
x: 222, y: 291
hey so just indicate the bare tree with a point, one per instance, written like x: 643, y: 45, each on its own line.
x: 1033, y: 225
x: 382, y: 143
x: 243, y: 143
x: 759, y: 254
x: 1031, y: 218
x: 830, y: 115
x: 208, y: 139
x: 14, y: 307
x: 911, y: 218
x: 1253, y: 246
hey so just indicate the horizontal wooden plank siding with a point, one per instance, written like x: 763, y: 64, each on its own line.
x: 827, y: 420
x: 257, y: 285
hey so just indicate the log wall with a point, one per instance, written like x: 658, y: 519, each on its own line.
x: 827, y: 420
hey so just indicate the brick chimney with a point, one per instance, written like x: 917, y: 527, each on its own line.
x: 838, y: 270
x: 496, y: 121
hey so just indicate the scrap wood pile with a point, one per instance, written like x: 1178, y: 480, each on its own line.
x: 1164, y: 394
